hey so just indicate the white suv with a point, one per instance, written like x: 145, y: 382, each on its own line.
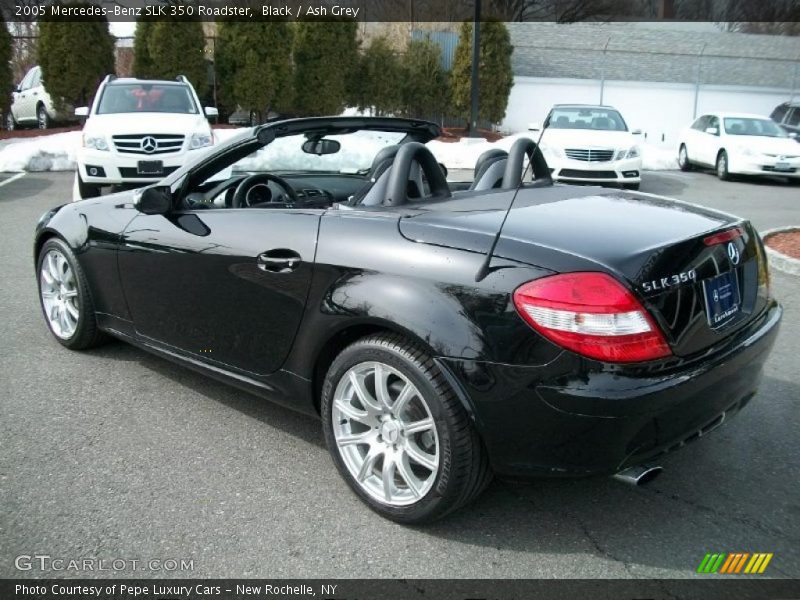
x: 138, y: 131
x: 31, y: 104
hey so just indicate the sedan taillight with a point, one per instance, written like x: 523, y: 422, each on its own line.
x: 592, y: 314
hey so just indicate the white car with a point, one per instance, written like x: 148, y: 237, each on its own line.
x: 31, y: 104
x: 591, y: 144
x: 739, y: 143
x: 138, y: 131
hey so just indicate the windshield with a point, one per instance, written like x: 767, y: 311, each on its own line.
x: 747, y: 126
x: 355, y: 154
x: 147, y: 97
x: 604, y: 119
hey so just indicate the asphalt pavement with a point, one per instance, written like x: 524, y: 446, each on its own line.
x: 116, y: 454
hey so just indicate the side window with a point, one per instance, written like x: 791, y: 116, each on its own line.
x: 25, y: 84
x: 779, y: 112
x: 700, y: 124
x: 794, y: 118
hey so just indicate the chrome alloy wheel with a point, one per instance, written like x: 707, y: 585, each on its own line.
x: 59, y: 292
x: 385, y: 434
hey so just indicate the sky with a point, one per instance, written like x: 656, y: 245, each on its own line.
x: 120, y: 29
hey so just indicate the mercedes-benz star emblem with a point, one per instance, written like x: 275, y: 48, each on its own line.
x: 733, y: 253
x: 149, y: 144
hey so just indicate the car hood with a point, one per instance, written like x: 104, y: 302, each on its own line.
x: 767, y: 145
x: 587, y: 138
x: 130, y: 123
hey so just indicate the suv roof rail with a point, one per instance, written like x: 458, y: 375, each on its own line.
x: 182, y: 79
x: 109, y: 77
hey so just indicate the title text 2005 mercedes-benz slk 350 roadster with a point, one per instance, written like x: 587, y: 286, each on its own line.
x: 329, y: 266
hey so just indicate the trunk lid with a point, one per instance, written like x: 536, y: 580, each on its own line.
x: 653, y: 244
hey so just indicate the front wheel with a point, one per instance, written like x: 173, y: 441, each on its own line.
x: 722, y: 166
x: 11, y: 123
x: 631, y: 186
x: 398, y: 434
x: 64, y: 296
x: 81, y: 190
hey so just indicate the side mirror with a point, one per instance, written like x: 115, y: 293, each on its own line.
x: 712, y: 130
x: 17, y: 89
x: 793, y: 135
x: 154, y: 201
x: 211, y: 111
x: 534, y: 126
x: 82, y: 111
x: 636, y: 132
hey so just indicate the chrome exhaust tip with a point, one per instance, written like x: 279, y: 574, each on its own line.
x: 639, y: 475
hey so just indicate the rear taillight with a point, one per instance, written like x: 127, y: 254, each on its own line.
x: 592, y: 314
x: 723, y: 236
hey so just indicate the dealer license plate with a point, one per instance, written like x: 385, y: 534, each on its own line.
x: 723, y: 299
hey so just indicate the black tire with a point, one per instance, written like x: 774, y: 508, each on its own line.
x: 464, y: 470
x: 86, y: 334
x: 683, y: 159
x: 85, y: 190
x: 42, y: 118
x: 631, y: 186
x: 11, y: 122
x: 722, y: 166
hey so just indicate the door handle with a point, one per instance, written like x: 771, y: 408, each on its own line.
x: 279, y: 260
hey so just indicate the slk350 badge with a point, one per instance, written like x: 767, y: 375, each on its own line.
x: 669, y: 281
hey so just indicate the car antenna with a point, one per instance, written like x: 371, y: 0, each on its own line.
x: 483, y: 271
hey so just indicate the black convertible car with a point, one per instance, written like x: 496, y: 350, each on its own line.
x: 328, y: 265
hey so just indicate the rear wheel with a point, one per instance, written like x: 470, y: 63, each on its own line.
x: 64, y: 295
x: 683, y: 159
x: 42, y: 118
x: 722, y: 166
x: 398, y: 434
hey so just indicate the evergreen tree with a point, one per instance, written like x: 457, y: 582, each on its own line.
x: 495, y: 77
x: 178, y: 48
x: 75, y: 56
x: 377, y: 83
x: 425, y: 86
x: 325, y: 61
x: 6, y: 75
x: 142, y: 62
x: 253, y: 63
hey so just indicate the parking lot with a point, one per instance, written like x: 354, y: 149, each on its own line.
x: 116, y: 454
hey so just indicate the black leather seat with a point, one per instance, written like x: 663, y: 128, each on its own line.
x: 489, y: 170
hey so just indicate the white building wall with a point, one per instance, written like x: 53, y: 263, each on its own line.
x: 660, y: 110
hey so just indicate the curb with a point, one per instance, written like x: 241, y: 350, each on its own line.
x: 778, y: 260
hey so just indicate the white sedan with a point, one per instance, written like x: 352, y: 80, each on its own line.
x: 739, y: 144
x: 591, y: 144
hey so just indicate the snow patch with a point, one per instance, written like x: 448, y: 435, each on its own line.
x: 43, y: 153
x: 658, y: 158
